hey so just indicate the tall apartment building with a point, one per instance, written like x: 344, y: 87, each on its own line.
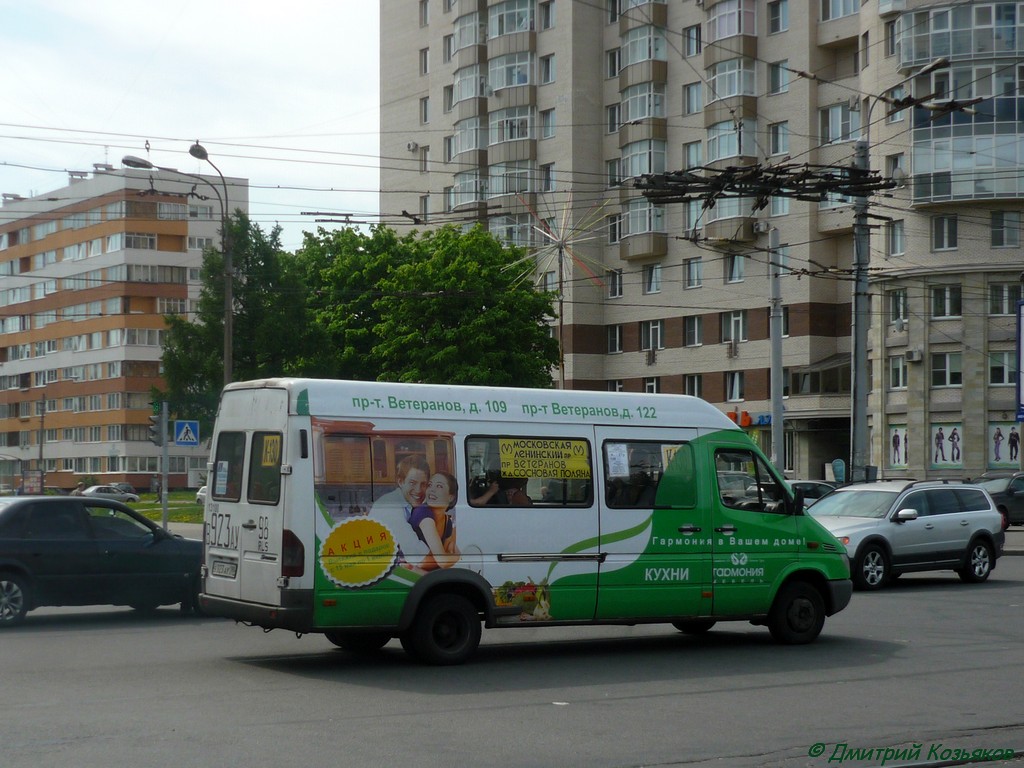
x: 87, y: 274
x: 533, y: 116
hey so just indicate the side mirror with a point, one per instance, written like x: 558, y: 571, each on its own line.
x: 905, y: 515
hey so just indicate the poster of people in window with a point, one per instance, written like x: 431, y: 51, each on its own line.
x: 945, y: 446
x: 1003, y: 445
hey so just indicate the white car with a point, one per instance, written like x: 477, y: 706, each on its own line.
x: 110, y: 492
x: 201, y: 496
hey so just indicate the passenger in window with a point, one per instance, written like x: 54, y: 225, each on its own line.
x: 505, y: 492
x: 434, y: 522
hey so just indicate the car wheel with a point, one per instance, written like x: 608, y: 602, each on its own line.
x: 694, y: 626
x: 359, y: 643
x: 978, y: 564
x: 797, y: 615
x: 871, y: 568
x: 14, y: 599
x: 446, y: 631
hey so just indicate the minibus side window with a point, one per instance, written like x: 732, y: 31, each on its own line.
x: 745, y: 482
x: 510, y: 471
x: 228, y: 465
x: 265, y: 468
x: 635, y: 471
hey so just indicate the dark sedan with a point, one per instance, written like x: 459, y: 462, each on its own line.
x: 76, y: 550
x: 1007, y: 492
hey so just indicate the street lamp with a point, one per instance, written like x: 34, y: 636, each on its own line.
x: 861, y: 298
x: 197, y: 151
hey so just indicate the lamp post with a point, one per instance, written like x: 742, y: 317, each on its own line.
x: 861, y: 297
x: 197, y: 151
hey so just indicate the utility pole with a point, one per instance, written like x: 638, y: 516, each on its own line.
x: 775, y: 332
x: 163, y: 463
x: 861, y: 320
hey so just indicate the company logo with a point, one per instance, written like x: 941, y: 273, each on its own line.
x: 739, y: 558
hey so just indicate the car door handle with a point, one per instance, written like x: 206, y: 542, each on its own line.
x: 689, y: 528
x: 249, y: 525
x: 929, y: 526
x: 726, y: 529
x: 965, y: 522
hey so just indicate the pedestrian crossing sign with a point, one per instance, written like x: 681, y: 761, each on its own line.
x: 186, y: 433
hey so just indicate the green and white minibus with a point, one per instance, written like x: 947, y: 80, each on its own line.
x: 368, y: 511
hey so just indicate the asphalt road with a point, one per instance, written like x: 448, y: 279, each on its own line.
x: 930, y: 661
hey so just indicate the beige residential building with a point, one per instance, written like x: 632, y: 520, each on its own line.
x: 88, y: 273
x: 532, y: 117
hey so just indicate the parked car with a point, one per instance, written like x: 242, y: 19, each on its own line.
x: 895, y: 527
x: 812, y: 489
x: 77, y: 550
x: 201, y: 496
x: 126, y: 487
x: 109, y: 492
x: 1007, y: 491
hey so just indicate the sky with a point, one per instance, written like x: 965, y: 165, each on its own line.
x: 284, y: 94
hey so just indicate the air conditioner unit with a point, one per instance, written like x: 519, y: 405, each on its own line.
x: 913, y: 356
x: 412, y: 146
x: 762, y: 227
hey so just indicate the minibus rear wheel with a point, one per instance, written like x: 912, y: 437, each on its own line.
x: 446, y: 631
x: 797, y: 615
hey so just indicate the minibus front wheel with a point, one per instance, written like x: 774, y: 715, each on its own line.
x: 797, y: 615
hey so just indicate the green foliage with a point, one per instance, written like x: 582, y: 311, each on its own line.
x: 443, y: 307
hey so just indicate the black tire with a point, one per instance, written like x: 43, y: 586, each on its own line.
x: 15, y: 599
x: 694, y: 626
x: 446, y: 631
x: 870, y: 569
x: 359, y: 643
x: 797, y: 615
x: 191, y: 602
x: 978, y: 563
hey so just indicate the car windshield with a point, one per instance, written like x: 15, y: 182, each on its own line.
x: 842, y: 503
x: 995, y: 485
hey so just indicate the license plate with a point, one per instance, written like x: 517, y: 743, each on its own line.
x: 224, y: 568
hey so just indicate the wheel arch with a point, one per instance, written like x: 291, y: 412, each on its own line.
x: 468, y: 584
x: 815, y: 579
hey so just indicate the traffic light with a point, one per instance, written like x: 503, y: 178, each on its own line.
x: 156, y: 434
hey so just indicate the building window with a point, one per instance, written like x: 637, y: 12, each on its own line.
x: 1005, y: 229
x: 839, y: 123
x: 735, y: 268
x: 614, y: 228
x: 730, y: 18
x: 614, y: 278
x: 613, y: 172
x: 652, y: 385
x: 642, y: 217
x: 837, y: 9
x: 693, y: 330
x: 897, y: 305
x: 547, y: 124
x: 1003, y: 298
x: 897, y: 371
x: 733, y: 77
x: 896, y: 116
x: 693, y: 273
x: 652, y: 278
x: 448, y: 97
x: 642, y: 101
x: 612, y: 62
x: 425, y: 110
x: 615, y: 385
x: 547, y: 69
x: 1002, y: 368
x: 447, y: 48
x: 894, y: 242
x: 734, y: 386
x: 692, y: 155
x: 779, y: 206
x: 892, y: 38
x: 944, y: 233
x: 641, y: 44
x: 778, y: 16
x: 510, y: 124
x: 865, y: 47
x: 734, y: 325
x: 547, y: 15
x: 614, y: 339
x: 691, y: 99
x: 424, y: 207
x: 424, y: 61
x: 652, y: 334
x: 547, y: 177
x: 693, y: 385
x: 509, y: 70
x: 691, y: 41
x: 613, y: 10
x: 729, y: 139
x: 946, y: 301
x: 778, y: 138
x: 612, y: 117
x: 946, y: 370
x: 894, y: 165
x: 509, y: 17
x: 424, y: 159
x: 424, y: 13
x: 778, y: 77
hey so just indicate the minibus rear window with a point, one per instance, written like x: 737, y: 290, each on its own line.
x: 229, y: 462
x: 265, y: 468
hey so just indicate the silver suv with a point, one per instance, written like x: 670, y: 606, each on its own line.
x: 897, y: 526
